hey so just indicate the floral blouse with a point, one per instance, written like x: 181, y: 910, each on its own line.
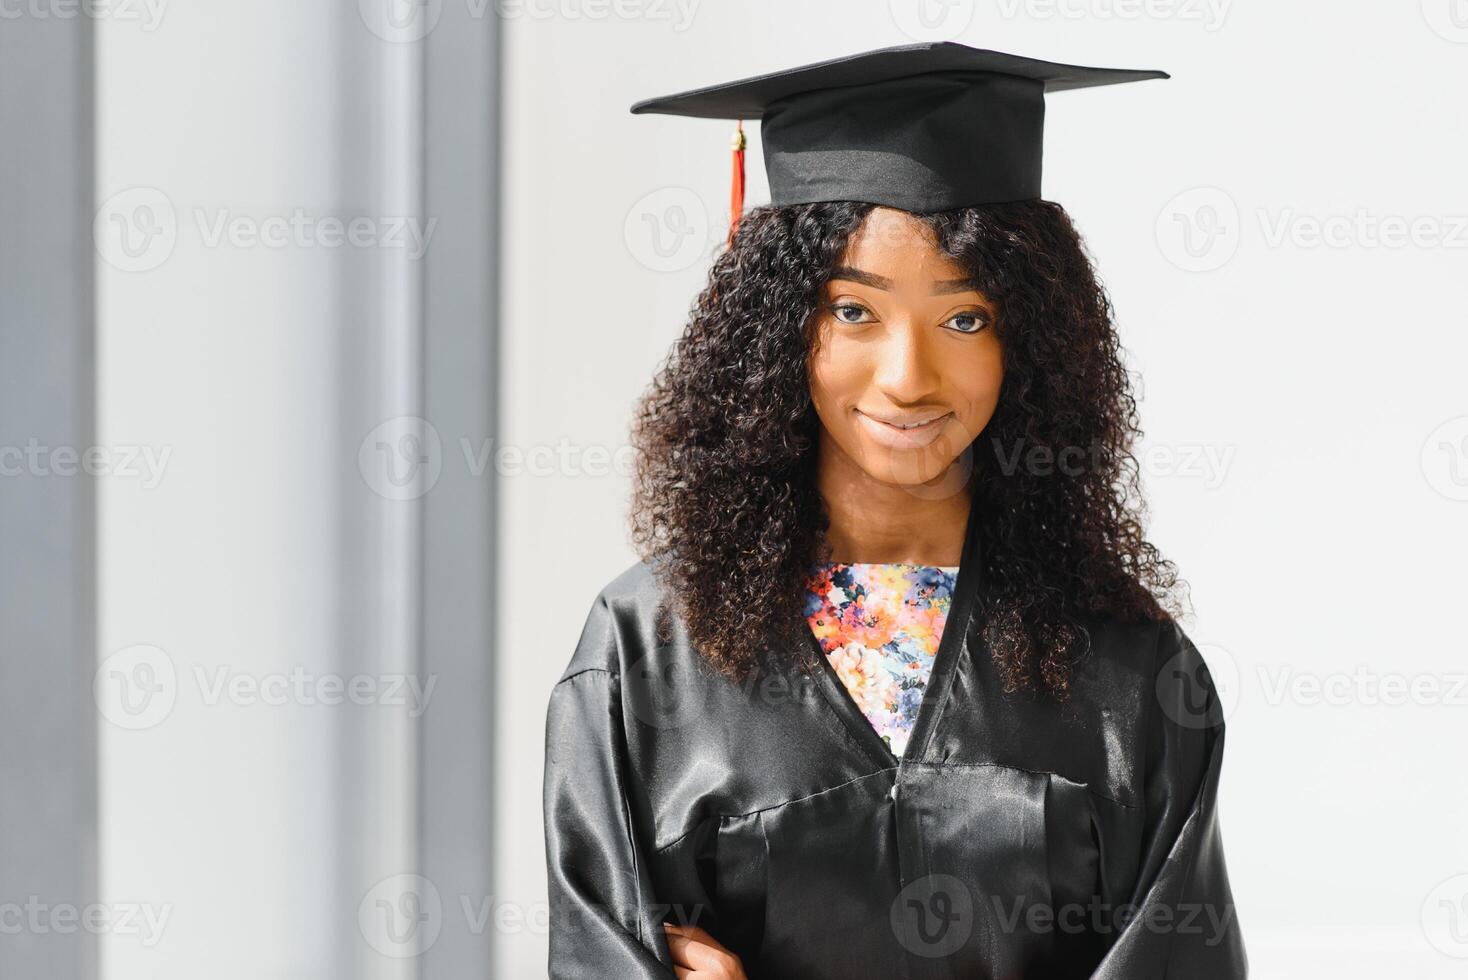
x: 879, y: 624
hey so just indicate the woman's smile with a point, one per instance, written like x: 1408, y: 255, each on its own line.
x: 896, y: 432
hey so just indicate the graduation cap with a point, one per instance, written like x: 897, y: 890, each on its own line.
x: 921, y: 127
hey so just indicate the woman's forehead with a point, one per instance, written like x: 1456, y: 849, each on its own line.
x: 897, y: 240
x: 890, y: 226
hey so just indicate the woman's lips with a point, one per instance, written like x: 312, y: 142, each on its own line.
x: 895, y: 436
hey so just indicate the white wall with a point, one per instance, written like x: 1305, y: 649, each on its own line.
x: 1327, y: 534
x: 248, y: 549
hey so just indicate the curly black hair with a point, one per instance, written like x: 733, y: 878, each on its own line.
x: 725, y: 504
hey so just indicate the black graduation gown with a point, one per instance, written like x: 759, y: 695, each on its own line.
x: 1015, y: 838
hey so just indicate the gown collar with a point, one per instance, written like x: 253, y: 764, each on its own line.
x: 951, y: 648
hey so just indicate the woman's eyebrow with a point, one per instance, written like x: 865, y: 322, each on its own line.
x: 940, y: 287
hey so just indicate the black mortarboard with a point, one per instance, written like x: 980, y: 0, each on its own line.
x: 921, y: 127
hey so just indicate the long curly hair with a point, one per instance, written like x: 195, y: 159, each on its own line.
x: 725, y: 505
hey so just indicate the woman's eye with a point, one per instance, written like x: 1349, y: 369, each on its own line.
x: 968, y: 322
x: 849, y: 312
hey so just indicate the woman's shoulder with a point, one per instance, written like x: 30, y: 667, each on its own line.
x: 635, y: 585
x: 620, y: 621
x: 1156, y: 663
x: 1141, y: 648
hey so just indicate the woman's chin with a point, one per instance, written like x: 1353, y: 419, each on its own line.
x: 918, y: 472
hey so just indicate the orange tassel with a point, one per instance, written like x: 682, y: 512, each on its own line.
x: 736, y: 190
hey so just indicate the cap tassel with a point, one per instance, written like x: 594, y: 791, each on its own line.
x: 736, y: 189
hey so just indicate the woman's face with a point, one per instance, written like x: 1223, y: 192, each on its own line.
x: 907, y: 365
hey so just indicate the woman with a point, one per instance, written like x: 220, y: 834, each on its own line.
x: 897, y: 688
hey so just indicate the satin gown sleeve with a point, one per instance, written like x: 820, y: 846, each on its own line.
x: 604, y: 914
x: 1181, y: 920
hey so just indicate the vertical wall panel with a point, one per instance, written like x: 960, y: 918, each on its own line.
x: 48, y: 758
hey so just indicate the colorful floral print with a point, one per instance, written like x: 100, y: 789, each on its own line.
x: 879, y: 624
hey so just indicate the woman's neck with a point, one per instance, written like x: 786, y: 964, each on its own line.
x: 872, y: 521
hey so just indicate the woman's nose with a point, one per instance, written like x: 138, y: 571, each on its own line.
x: 905, y: 370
